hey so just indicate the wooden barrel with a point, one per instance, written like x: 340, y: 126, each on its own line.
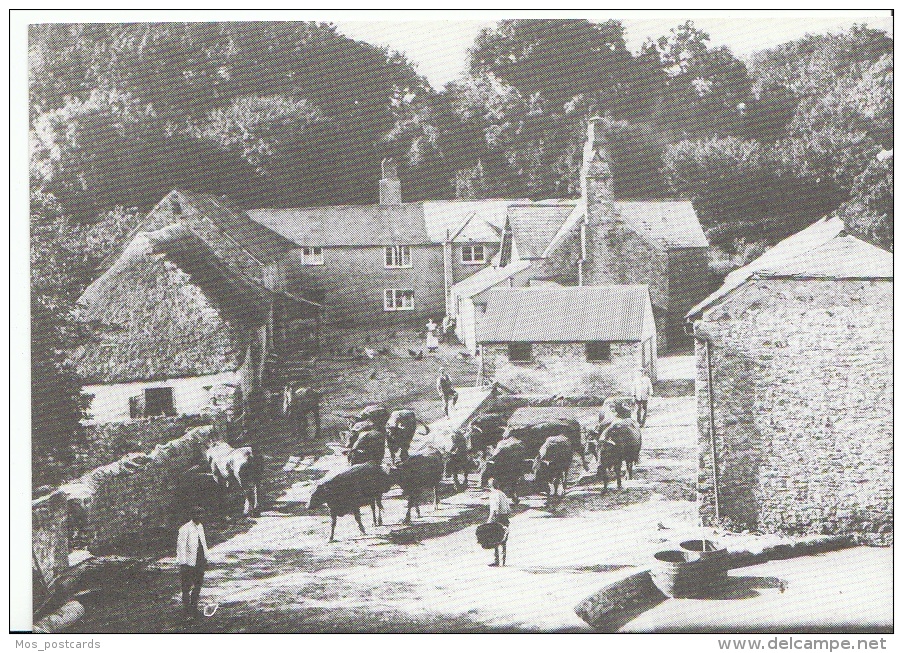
x: 677, y: 577
x: 703, y: 551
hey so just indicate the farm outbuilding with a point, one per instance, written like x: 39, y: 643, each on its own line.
x: 794, y: 386
x: 568, y: 340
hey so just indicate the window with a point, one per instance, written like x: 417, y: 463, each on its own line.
x: 520, y: 352
x: 312, y: 256
x: 398, y: 300
x: 473, y: 254
x: 158, y: 401
x: 598, y: 351
x: 398, y: 256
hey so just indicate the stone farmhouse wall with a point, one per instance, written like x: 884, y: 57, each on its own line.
x: 562, y: 369
x: 353, y: 279
x: 803, y: 403
x: 136, y: 494
x: 50, y: 534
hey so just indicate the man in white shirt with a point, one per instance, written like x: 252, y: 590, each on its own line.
x: 191, y: 556
x: 642, y: 390
x: 499, y: 512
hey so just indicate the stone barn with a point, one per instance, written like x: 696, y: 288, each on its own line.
x: 794, y: 357
x: 568, y: 340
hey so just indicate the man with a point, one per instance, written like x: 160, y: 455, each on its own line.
x: 642, y: 390
x: 448, y: 328
x: 446, y: 391
x: 191, y: 556
x: 500, y: 513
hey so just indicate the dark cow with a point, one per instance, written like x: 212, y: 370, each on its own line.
x: 486, y: 431
x: 506, y: 465
x: 379, y: 415
x: 400, y: 430
x: 352, y: 434
x: 620, y: 442
x: 351, y: 489
x: 414, y: 475
x: 459, y: 460
x: 299, y: 402
x: 235, y: 468
x: 612, y: 408
x: 369, y: 446
x: 553, y: 464
x: 534, y: 435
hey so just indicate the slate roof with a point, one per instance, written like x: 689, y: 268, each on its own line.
x: 823, y: 250
x: 534, y: 225
x: 482, y: 220
x: 487, y: 278
x: 564, y: 314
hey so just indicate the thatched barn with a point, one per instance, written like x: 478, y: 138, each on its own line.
x: 190, y: 302
x: 794, y: 357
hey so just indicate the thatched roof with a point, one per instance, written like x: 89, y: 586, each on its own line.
x: 150, y: 322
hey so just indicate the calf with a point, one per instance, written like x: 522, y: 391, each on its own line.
x: 535, y: 435
x: 235, y: 467
x: 369, y: 446
x: 379, y: 415
x: 351, y: 489
x: 400, y: 429
x: 506, y: 465
x: 486, y: 431
x: 458, y: 460
x: 553, y: 464
x: 414, y: 475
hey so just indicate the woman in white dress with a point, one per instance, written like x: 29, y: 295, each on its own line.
x: 432, y: 341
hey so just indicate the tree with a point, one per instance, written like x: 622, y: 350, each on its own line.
x: 869, y: 213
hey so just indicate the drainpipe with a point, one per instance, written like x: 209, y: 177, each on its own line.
x: 447, y: 270
x: 582, y: 253
x: 711, y: 398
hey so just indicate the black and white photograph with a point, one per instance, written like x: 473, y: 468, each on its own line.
x: 455, y: 322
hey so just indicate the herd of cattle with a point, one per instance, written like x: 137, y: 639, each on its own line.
x: 490, y: 445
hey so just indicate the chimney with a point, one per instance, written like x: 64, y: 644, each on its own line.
x: 389, y: 186
x: 600, y: 262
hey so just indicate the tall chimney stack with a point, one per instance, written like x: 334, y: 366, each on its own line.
x: 601, y: 216
x: 389, y: 185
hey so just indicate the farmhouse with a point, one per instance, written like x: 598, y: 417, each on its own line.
x: 596, y: 240
x: 186, y: 306
x: 559, y: 340
x: 794, y: 385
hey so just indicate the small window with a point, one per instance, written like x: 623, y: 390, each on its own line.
x: 520, y: 352
x: 598, y: 351
x: 158, y: 401
x: 398, y: 256
x: 473, y: 254
x: 312, y: 256
x: 398, y: 300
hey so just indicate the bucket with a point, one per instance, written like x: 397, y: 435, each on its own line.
x: 675, y: 576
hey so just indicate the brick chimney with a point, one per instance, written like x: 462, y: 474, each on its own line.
x: 389, y: 185
x: 600, y: 263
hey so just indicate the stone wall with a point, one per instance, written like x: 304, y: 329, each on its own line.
x: 137, y: 494
x: 689, y: 282
x: 50, y: 535
x: 562, y: 369
x: 803, y: 401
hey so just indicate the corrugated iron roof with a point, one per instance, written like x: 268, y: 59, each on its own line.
x: 261, y: 243
x: 822, y: 250
x: 564, y: 314
x: 487, y: 278
x: 534, y: 225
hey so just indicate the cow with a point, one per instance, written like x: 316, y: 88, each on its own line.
x: 620, y: 442
x: 235, y: 468
x: 553, y: 464
x: 612, y: 408
x: 351, y: 489
x: 610, y: 458
x: 352, y: 434
x: 486, y: 431
x: 414, y: 475
x: 299, y: 402
x: 534, y: 435
x: 379, y: 415
x: 400, y: 430
x: 458, y: 460
x: 506, y: 465
x: 369, y: 446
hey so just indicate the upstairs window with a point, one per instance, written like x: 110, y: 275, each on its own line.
x: 598, y: 351
x: 473, y: 254
x: 312, y: 256
x: 398, y: 300
x: 520, y: 352
x: 398, y: 256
